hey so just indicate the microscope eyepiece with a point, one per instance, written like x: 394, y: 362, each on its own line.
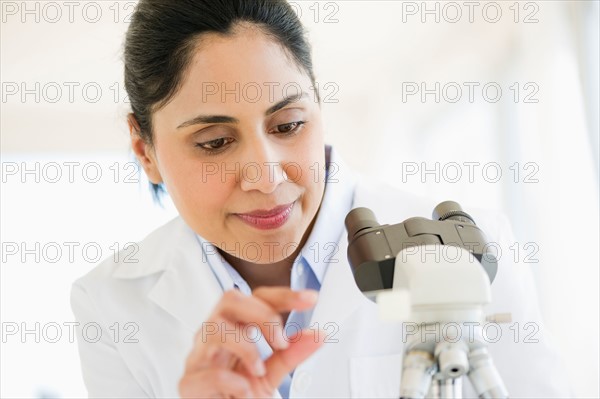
x: 359, y: 219
x: 450, y: 210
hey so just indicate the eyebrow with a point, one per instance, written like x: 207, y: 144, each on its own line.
x: 230, y: 119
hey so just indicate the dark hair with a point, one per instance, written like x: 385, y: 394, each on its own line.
x: 162, y: 36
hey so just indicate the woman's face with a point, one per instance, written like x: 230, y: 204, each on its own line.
x: 243, y: 135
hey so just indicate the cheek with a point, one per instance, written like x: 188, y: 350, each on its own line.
x: 196, y: 187
x: 202, y: 189
x: 309, y: 165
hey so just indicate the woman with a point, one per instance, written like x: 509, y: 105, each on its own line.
x: 222, y: 301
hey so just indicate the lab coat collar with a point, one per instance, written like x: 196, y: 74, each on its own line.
x: 323, y: 240
x: 156, y: 252
x: 340, y: 294
x: 187, y: 288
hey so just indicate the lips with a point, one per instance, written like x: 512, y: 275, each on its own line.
x: 267, y: 218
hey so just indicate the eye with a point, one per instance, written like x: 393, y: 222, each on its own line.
x: 289, y: 128
x: 216, y: 144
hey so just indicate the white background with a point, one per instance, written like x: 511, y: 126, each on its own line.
x: 366, y: 55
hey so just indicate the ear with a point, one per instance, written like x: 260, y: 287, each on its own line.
x: 143, y: 151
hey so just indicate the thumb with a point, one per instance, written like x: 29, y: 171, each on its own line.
x: 302, y: 345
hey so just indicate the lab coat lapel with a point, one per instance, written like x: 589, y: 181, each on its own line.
x: 187, y: 289
x: 339, y: 295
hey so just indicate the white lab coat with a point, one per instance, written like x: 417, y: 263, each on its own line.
x: 171, y: 290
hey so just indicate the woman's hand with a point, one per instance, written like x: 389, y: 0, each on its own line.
x: 225, y: 361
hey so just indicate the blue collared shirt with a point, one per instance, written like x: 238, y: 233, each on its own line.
x: 310, y: 266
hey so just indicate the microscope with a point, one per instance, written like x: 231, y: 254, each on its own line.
x: 436, y: 275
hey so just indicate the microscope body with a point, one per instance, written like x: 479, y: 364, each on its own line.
x: 431, y: 273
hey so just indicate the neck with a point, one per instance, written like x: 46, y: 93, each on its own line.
x: 256, y: 274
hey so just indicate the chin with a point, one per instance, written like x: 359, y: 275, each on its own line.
x: 278, y: 249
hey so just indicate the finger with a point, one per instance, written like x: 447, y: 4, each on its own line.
x: 265, y: 300
x: 284, y: 299
x: 262, y: 309
x: 228, y: 343
x: 303, y: 344
x: 252, y: 313
x: 214, y: 383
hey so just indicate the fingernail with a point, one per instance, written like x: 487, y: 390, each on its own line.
x: 259, y: 368
x: 309, y: 295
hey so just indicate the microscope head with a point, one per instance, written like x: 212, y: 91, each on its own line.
x: 373, y: 248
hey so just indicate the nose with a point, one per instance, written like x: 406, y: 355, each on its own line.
x: 263, y: 169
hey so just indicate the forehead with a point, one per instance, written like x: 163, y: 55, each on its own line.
x: 247, y: 57
x: 240, y: 75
